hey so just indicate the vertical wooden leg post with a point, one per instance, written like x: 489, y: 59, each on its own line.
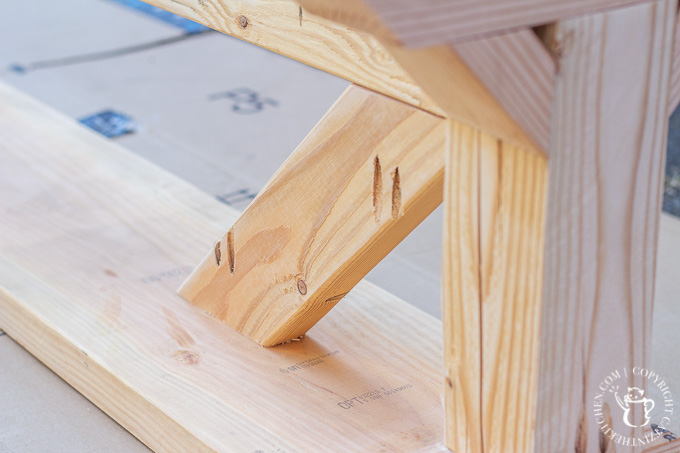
x: 549, y: 260
x: 493, y: 239
x: 606, y: 164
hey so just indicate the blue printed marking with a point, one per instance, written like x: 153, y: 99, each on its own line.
x: 190, y: 27
x: 109, y: 123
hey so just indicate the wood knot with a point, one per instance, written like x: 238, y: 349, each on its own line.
x: 302, y: 287
x: 187, y: 357
x: 243, y: 21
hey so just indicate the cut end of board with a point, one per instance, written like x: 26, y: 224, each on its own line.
x: 296, y: 312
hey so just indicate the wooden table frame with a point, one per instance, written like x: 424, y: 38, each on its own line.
x: 542, y: 128
x: 555, y: 142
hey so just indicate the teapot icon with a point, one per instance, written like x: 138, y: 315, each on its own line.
x: 635, y: 398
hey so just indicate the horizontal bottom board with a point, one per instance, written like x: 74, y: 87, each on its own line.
x: 94, y: 243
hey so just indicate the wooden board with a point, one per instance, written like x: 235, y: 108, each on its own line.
x: 420, y: 77
x: 493, y: 250
x: 95, y: 242
x: 519, y: 72
x: 445, y: 21
x: 368, y: 173
x: 610, y: 125
x: 674, y: 90
x: 512, y: 343
x: 461, y: 292
x: 285, y: 27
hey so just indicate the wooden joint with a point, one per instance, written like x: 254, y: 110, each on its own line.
x: 367, y: 174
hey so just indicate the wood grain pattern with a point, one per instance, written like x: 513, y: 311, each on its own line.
x: 285, y: 27
x: 519, y: 72
x: 514, y: 67
x: 460, y: 292
x: 446, y: 77
x: 493, y: 249
x: 674, y: 90
x: 606, y: 166
x: 512, y: 202
x: 422, y: 78
x: 368, y: 173
x: 434, y: 22
x: 95, y: 241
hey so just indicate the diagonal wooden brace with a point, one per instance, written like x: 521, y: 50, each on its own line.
x: 369, y: 172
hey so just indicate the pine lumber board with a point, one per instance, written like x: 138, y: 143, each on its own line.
x: 674, y: 92
x: 461, y: 314
x: 368, y: 173
x: 606, y: 164
x: 350, y: 40
x: 420, y: 77
x: 519, y: 72
x: 419, y: 24
x: 512, y: 203
x: 492, y: 269
x: 548, y: 268
x: 285, y: 27
x: 463, y: 97
x: 95, y: 242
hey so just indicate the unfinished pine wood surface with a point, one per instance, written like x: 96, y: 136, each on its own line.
x: 94, y: 243
x: 606, y: 167
x: 284, y: 27
x: 461, y: 292
x: 512, y: 199
x: 516, y: 381
x: 513, y: 65
x: 462, y: 96
x: 368, y: 173
x: 418, y: 77
x: 419, y: 24
x: 493, y: 250
x: 519, y: 72
x: 674, y: 90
